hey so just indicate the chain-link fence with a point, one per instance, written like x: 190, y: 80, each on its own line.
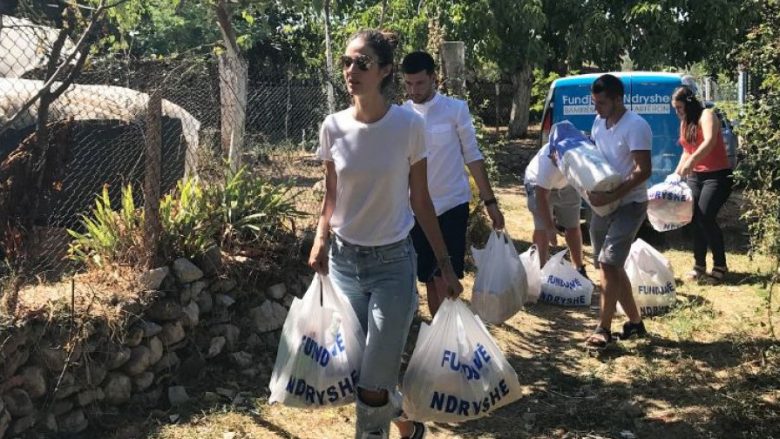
x: 100, y: 134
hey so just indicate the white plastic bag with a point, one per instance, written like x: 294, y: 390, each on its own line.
x: 652, y: 279
x: 583, y: 165
x: 670, y: 204
x: 500, y: 286
x: 563, y: 285
x: 320, y: 351
x: 457, y: 372
x: 533, y: 273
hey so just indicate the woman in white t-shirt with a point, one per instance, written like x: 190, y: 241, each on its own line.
x: 375, y: 176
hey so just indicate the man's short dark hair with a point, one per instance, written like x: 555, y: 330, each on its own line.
x: 416, y: 62
x: 609, y: 85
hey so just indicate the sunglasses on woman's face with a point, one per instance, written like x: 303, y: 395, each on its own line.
x: 363, y: 62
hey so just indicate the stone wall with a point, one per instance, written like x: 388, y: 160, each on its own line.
x: 55, y: 379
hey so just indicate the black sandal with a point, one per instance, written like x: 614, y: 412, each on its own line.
x: 599, y: 339
x: 633, y: 330
x: 420, y: 431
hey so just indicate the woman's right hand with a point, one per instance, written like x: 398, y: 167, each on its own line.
x: 318, y: 258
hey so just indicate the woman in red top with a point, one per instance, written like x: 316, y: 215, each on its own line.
x: 705, y: 164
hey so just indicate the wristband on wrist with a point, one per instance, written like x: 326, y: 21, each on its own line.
x: 490, y: 201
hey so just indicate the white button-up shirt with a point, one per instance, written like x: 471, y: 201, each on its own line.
x: 452, y: 143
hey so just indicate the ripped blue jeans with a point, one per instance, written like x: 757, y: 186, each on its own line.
x: 380, y: 284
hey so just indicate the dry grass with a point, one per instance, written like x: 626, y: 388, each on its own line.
x: 709, y: 369
x: 97, y: 294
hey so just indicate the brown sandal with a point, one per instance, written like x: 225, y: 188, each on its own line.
x: 599, y: 339
x: 696, y: 274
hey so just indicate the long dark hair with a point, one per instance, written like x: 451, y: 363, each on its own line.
x: 383, y: 44
x: 693, y: 110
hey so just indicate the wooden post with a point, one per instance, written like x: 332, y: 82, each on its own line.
x: 153, y: 155
x: 498, y: 111
x: 453, y: 54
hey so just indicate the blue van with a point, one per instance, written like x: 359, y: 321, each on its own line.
x: 647, y: 93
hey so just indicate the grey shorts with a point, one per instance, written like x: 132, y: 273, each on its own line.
x: 564, y: 205
x: 613, y: 234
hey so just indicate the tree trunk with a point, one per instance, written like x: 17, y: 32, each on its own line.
x: 522, y: 79
x: 329, y: 60
x: 382, y: 16
x: 233, y: 70
x: 233, y: 99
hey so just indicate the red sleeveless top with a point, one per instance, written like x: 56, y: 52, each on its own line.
x: 716, y: 160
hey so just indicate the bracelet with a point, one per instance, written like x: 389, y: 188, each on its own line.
x: 490, y: 201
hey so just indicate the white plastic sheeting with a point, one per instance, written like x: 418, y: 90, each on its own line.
x: 91, y: 102
x: 26, y: 46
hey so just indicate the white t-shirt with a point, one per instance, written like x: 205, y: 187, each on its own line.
x: 372, y: 168
x: 452, y: 143
x: 630, y: 133
x: 542, y: 172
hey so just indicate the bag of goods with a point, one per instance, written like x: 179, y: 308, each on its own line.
x: 533, y: 272
x: 500, y: 286
x: 652, y: 279
x: 457, y: 372
x: 583, y: 165
x: 320, y: 351
x: 563, y: 285
x: 670, y: 204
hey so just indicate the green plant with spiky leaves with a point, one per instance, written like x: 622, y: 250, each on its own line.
x: 109, y: 236
x: 253, y: 208
x: 189, y: 218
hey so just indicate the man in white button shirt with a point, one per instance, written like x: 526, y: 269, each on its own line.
x: 549, y: 193
x: 452, y: 147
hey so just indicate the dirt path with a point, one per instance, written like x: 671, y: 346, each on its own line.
x: 708, y: 371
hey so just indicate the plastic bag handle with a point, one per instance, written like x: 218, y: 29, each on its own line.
x: 321, y: 292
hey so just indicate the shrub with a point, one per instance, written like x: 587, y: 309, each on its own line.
x: 760, y: 131
x: 239, y: 211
